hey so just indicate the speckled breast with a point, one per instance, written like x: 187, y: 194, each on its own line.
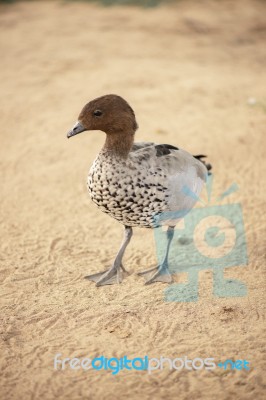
x: 126, y: 193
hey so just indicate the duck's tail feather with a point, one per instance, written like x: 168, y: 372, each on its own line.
x: 207, y: 165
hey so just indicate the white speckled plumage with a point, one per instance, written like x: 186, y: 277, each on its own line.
x: 135, y: 190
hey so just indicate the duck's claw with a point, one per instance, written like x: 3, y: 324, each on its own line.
x: 156, y: 274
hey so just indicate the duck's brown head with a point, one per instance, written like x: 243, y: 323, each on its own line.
x: 110, y: 114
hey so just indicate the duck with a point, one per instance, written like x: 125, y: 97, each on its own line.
x: 139, y: 184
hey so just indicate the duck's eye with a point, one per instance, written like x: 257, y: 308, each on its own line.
x: 97, y: 113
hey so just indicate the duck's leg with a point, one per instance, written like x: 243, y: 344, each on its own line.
x: 114, y: 274
x: 160, y: 273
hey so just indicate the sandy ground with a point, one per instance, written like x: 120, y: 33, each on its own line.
x: 188, y: 70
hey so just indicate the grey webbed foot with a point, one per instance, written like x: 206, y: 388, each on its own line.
x: 160, y: 273
x: 157, y: 274
x: 114, y: 274
x: 110, y: 276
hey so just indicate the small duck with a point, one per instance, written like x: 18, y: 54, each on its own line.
x: 136, y: 183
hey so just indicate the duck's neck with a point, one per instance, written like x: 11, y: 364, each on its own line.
x: 118, y: 144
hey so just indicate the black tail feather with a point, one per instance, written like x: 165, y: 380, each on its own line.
x: 207, y: 165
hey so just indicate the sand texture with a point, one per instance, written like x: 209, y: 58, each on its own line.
x: 195, y: 74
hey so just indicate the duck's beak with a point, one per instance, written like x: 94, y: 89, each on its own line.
x: 77, y: 128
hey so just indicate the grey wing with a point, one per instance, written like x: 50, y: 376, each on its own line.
x: 174, y: 175
x: 166, y: 158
